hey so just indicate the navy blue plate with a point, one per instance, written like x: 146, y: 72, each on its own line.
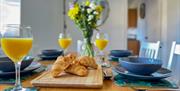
x: 43, y: 57
x: 120, y: 53
x: 6, y: 65
x: 52, y: 52
x: 160, y: 74
x: 27, y: 70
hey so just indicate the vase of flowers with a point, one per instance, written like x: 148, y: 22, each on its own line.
x: 85, y: 16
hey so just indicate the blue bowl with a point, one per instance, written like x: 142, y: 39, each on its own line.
x: 120, y: 53
x: 140, y: 66
x: 52, y: 52
x: 6, y: 65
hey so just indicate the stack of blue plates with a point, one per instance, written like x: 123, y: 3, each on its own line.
x: 116, y: 54
x: 7, y: 69
x: 142, y: 68
x: 50, y: 54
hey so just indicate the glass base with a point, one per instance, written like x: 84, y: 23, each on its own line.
x: 23, y: 89
x: 101, y: 60
x: 105, y: 64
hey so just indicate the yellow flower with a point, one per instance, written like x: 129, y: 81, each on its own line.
x: 98, y: 16
x: 87, y: 3
x: 99, y: 9
x: 72, y: 13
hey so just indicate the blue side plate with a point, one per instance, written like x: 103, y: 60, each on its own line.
x: 160, y: 74
x: 43, y: 57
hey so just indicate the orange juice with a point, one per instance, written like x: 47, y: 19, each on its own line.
x: 101, y: 43
x: 64, y: 42
x: 16, y: 48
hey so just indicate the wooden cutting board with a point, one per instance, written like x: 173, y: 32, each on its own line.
x: 93, y: 80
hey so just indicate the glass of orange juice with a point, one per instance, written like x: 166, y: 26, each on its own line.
x: 16, y: 42
x: 101, y: 42
x: 64, y: 41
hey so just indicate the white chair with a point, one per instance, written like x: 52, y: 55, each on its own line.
x: 175, y: 50
x: 149, y: 50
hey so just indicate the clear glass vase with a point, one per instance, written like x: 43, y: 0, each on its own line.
x: 87, y: 48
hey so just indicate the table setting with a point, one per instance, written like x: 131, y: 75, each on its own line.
x: 143, y: 73
x: 61, y: 69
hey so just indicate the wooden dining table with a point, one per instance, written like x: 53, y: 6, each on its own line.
x: 108, y: 85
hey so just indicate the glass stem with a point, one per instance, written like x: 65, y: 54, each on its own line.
x: 102, y: 56
x: 64, y: 52
x: 18, y: 80
x: 104, y: 63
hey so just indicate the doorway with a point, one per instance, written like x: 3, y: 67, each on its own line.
x: 144, y: 23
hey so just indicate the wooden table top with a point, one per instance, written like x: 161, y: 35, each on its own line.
x: 108, y: 85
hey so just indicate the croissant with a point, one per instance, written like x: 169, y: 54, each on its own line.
x: 77, y: 69
x: 88, y: 62
x: 60, y: 65
x: 71, y: 56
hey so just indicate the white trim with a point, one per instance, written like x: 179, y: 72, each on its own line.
x: 125, y: 23
x: 164, y: 31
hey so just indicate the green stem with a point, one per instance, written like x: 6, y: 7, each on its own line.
x: 88, y: 48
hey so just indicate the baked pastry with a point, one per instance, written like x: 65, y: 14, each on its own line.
x: 88, y: 62
x: 60, y: 65
x: 77, y: 69
x: 72, y: 64
x: 71, y: 56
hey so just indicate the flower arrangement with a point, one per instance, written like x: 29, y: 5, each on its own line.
x: 85, y: 17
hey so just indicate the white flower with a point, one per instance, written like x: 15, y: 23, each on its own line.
x: 89, y: 23
x: 95, y: 12
x: 90, y: 17
x: 83, y: 9
x: 92, y: 5
x: 89, y: 10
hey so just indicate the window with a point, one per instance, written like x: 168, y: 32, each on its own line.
x: 9, y: 12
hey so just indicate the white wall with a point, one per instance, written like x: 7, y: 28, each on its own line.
x: 153, y: 20
x: 170, y: 27
x: 116, y: 25
x: 171, y: 32
x: 132, y: 4
x: 46, y: 20
x: 45, y: 17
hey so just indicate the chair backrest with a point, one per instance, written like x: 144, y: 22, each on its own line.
x: 175, y: 50
x: 149, y: 50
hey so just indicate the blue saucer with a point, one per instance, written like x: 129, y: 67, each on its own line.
x: 160, y: 74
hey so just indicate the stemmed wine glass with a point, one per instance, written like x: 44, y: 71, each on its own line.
x: 16, y: 42
x: 64, y: 41
x: 101, y: 42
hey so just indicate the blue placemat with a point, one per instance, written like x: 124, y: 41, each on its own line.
x: 28, y: 89
x: 24, y: 77
x: 121, y: 81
